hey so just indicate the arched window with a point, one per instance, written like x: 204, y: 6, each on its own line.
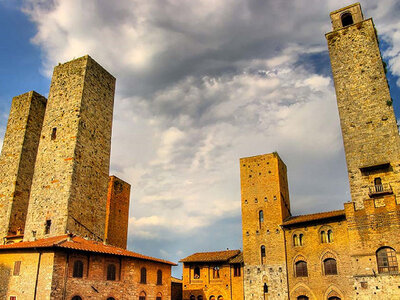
x: 199, y: 297
x: 143, y: 275
x: 330, y: 266
x: 220, y: 297
x: 216, y: 272
x: 334, y: 298
x: 159, y: 277
x: 111, y: 271
x: 142, y: 296
x: 260, y: 217
x: 192, y: 297
x: 301, y: 269
x: 324, y: 238
x: 212, y: 297
x: 387, y: 261
x: 329, y: 236
x: 302, y: 298
x: 378, y: 184
x: 110, y: 298
x: 262, y: 254
x: 265, y: 288
x: 159, y: 296
x: 347, y: 19
x: 78, y: 269
x: 196, y: 273
x: 76, y: 298
x: 295, y: 240
x: 301, y: 239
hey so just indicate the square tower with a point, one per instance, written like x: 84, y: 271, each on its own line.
x: 17, y: 160
x: 265, y: 204
x: 369, y: 128
x: 69, y: 188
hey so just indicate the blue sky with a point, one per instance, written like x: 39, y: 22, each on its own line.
x: 198, y: 87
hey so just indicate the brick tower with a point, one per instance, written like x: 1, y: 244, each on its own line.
x: 69, y: 188
x: 17, y: 160
x: 265, y: 204
x: 369, y: 129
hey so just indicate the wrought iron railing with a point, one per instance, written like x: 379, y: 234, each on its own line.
x: 380, y: 189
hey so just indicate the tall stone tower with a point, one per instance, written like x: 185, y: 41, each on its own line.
x: 117, y: 212
x: 369, y: 129
x: 265, y: 204
x: 69, y: 188
x: 17, y: 160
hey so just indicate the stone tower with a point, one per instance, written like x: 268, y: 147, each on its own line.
x: 69, y: 188
x: 265, y: 204
x: 17, y: 160
x: 369, y: 129
x: 117, y: 212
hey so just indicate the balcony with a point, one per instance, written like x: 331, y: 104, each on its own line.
x: 380, y: 189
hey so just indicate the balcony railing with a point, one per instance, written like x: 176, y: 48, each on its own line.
x: 380, y: 189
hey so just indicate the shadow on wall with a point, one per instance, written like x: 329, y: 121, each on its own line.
x: 5, y: 273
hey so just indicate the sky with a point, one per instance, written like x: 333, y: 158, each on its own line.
x: 200, y: 85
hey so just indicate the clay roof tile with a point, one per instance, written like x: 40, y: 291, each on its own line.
x: 217, y: 256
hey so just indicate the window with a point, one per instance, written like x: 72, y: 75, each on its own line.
x: 302, y: 298
x: 330, y: 266
x: 110, y: 298
x: 265, y: 288
x: 387, y: 261
x: 47, y: 227
x: 298, y: 240
x: 216, y: 272
x: 196, y: 274
x: 159, y: 296
x: 220, y: 297
x: 262, y: 254
x: 142, y: 296
x: 260, y: 217
x: 334, y: 298
x: 236, y: 270
x: 301, y: 269
x: 111, y: 271
x: 199, y: 297
x: 378, y: 184
x: 301, y: 239
x: 76, y: 298
x: 347, y: 19
x: 78, y: 269
x: 53, y: 133
x: 13, y: 297
x: 17, y: 268
x: 329, y: 236
x: 192, y: 297
x: 159, y: 277
x: 324, y: 238
x: 212, y: 297
x: 143, y: 275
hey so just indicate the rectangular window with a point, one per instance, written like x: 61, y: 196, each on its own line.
x: 54, y: 134
x: 47, y: 227
x: 17, y: 268
x: 236, y: 270
x: 216, y: 272
x: 13, y: 298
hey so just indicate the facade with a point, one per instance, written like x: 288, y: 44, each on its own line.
x: 346, y: 254
x: 213, y: 275
x: 64, y: 231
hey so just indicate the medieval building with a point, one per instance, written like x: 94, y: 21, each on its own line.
x: 64, y: 221
x: 345, y: 254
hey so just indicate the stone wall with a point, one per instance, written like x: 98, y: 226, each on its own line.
x: 117, y: 212
x: 69, y: 189
x: 17, y: 160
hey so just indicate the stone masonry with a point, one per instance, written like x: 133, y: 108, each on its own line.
x: 17, y: 160
x: 69, y: 188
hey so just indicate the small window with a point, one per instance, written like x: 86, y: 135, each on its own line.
x: 196, y: 273
x: 236, y: 270
x: 329, y: 236
x: 78, y: 269
x: 260, y: 217
x: 199, y: 297
x: 265, y: 288
x: 387, y: 261
x: 262, y: 254
x: 212, y: 297
x: 301, y: 239
x: 142, y: 296
x: 324, y: 238
x: 216, y: 272
x: 302, y: 298
x: 296, y: 240
x: 47, y: 227
x: 378, y: 184
x: 143, y: 275
x: 192, y: 297
x: 159, y: 296
x: 17, y: 268
x: 111, y: 272
x: 53, y: 133
x: 13, y: 297
x: 159, y: 277
x: 220, y: 297
x: 76, y: 298
x: 347, y: 19
x: 330, y: 266
x: 301, y: 269
x: 110, y: 298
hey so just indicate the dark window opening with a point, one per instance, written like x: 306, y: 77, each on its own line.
x: 387, y: 261
x: 143, y: 275
x: 334, y: 298
x: 302, y: 298
x: 111, y: 272
x: 301, y: 269
x: 263, y: 254
x: 192, y: 297
x: 329, y: 236
x: 196, y: 274
x: 159, y: 296
x: 199, y: 297
x: 76, y: 298
x: 378, y: 184
x: 265, y: 288
x: 47, y: 227
x: 330, y: 266
x: 260, y: 217
x: 17, y: 268
x: 142, y: 296
x: 110, y: 298
x: 159, y: 277
x: 347, y: 19
x: 53, y: 133
x: 236, y: 270
x: 301, y: 239
x: 78, y: 269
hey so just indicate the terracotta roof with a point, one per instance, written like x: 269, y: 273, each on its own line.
x: 313, y: 217
x: 80, y: 244
x: 211, y: 256
x: 238, y: 259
